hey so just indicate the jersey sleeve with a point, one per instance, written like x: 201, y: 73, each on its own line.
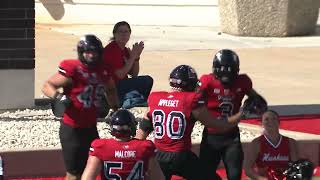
x: 203, y: 82
x: 66, y: 68
x: 247, y: 83
x: 96, y: 148
x: 198, y: 99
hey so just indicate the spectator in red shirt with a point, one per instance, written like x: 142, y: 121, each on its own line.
x: 270, y: 153
x: 123, y: 62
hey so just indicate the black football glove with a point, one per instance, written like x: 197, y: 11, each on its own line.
x: 59, y: 103
x: 255, y: 105
x: 301, y: 169
x: 109, y: 115
x: 63, y: 99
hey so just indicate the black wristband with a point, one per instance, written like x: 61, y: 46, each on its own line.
x: 57, y: 95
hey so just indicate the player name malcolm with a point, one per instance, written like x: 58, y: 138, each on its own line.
x: 125, y: 154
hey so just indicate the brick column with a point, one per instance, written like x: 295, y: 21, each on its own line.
x: 17, y: 53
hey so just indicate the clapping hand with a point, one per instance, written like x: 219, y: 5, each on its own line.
x: 136, y: 50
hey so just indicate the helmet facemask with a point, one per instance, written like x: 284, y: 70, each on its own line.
x: 226, y: 74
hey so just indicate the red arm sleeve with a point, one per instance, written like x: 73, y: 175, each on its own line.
x: 66, y: 68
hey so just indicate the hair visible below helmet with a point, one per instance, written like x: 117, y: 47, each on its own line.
x: 183, y: 78
x: 90, y: 42
x: 123, y: 124
x: 301, y: 169
x: 225, y: 66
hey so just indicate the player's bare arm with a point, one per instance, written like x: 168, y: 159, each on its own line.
x: 51, y: 86
x: 112, y: 95
x: 135, y: 69
x: 92, y: 169
x: 202, y: 114
x: 250, y: 159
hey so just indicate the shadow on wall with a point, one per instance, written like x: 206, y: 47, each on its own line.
x: 55, y: 7
x: 317, y: 32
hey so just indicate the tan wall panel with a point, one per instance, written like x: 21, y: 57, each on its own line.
x: 17, y: 88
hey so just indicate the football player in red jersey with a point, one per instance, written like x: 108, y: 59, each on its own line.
x: 225, y: 89
x: 122, y: 157
x: 270, y: 152
x: 172, y: 116
x: 83, y: 81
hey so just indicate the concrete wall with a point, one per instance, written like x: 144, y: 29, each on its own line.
x: 17, y: 88
x: 268, y: 18
x: 138, y: 12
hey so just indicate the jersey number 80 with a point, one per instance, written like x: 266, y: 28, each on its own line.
x: 165, y: 124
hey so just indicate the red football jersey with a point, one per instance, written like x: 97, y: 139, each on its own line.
x: 123, y: 160
x: 224, y: 101
x: 273, y: 159
x: 170, y: 113
x: 86, y: 89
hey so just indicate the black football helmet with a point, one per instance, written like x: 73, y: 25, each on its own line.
x: 123, y: 123
x: 90, y: 42
x: 301, y: 169
x: 225, y: 66
x: 184, y: 78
